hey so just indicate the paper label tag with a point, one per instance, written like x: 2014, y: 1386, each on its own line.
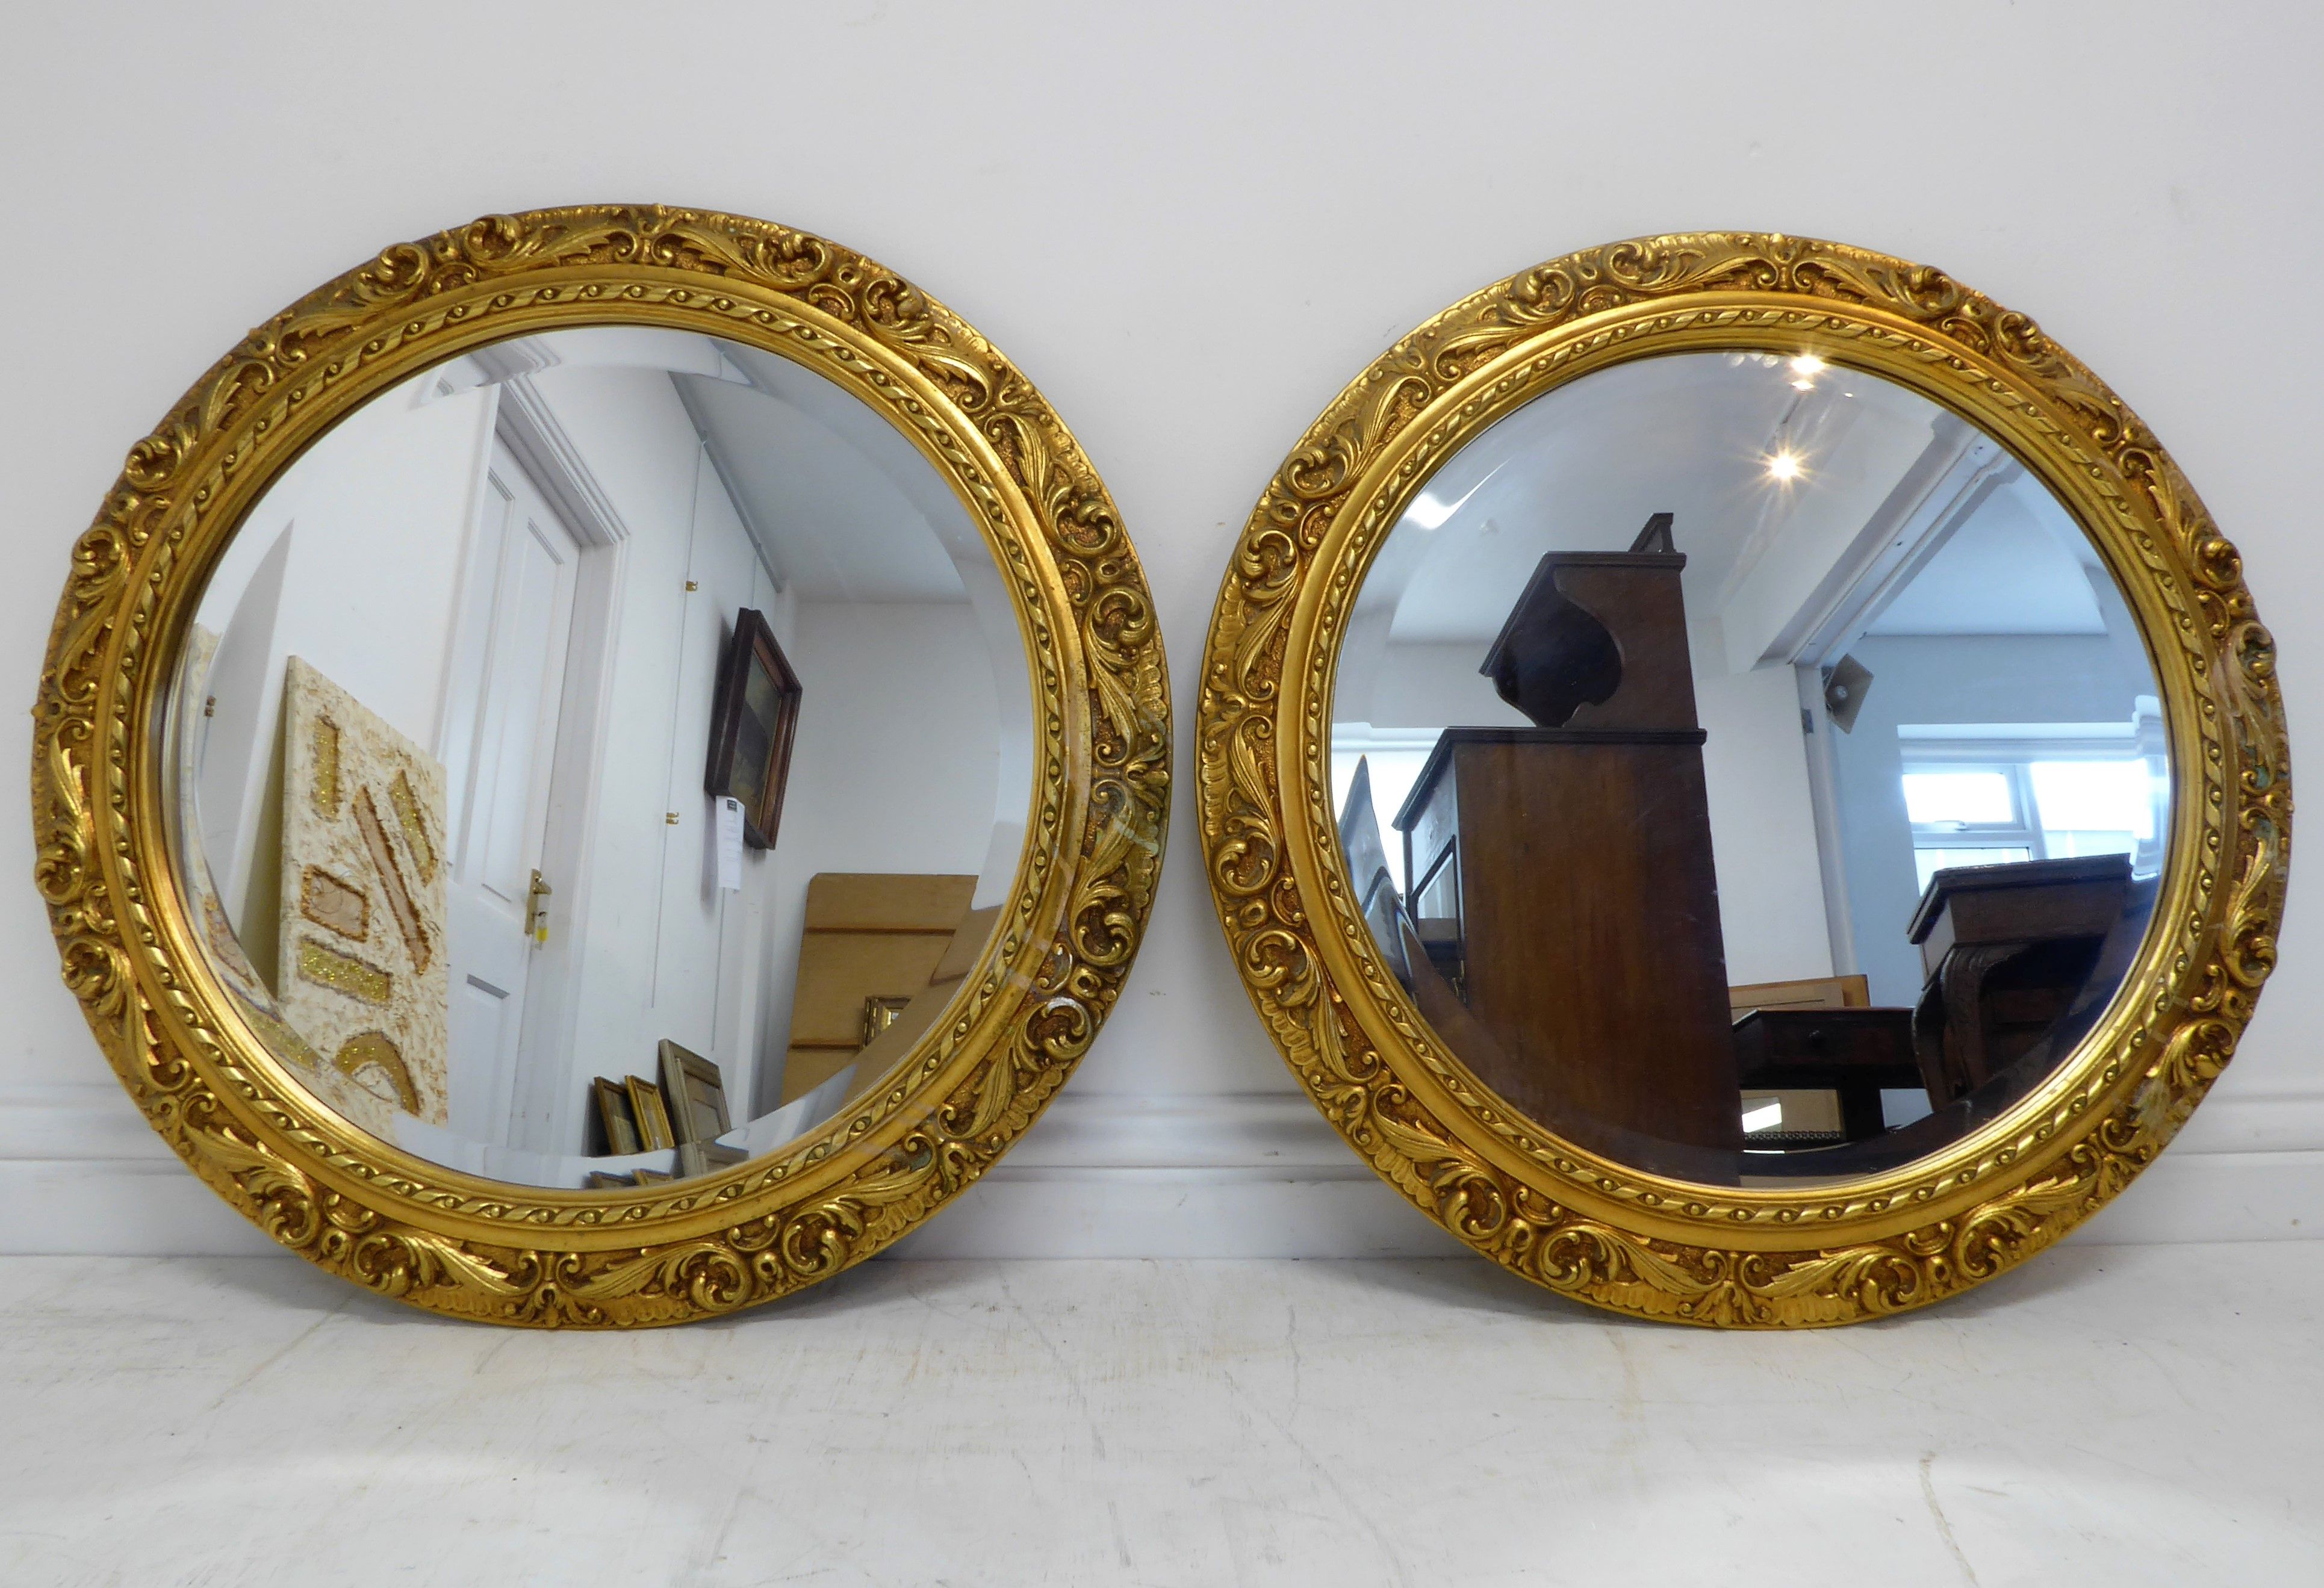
x: 730, y: 845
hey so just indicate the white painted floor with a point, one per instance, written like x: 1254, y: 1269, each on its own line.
x: 2112, y: 1415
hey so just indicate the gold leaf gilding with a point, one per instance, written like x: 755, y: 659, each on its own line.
x: 374, y: 1051
x: 326, y: 790
x: 902, y: 1150
x: 1596, y: 1230
x: 343, y: 973
x: 414, y: 823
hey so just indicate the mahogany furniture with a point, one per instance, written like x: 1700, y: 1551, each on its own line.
x: 1856, y: 1053
x: 1531, y: 850
x: 2007, y: 949
x: 1819, y: 1110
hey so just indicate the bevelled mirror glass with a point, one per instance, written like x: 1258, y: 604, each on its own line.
x: 1748, y: 767
x: 1743, y: 779
x: 602, y: 753
x: 656, y: 751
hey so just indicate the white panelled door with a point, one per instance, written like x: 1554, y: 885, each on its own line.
x: 500, y: 741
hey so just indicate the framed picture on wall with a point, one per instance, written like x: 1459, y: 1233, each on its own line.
x: 753, y: 716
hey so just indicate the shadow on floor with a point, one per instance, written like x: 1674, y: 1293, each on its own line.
x: 1458, y: 1283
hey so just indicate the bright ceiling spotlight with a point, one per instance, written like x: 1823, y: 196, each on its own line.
x: 1784, y: 465
x: 1807, y: 365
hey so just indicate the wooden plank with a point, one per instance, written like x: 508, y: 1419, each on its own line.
x: 837, y: 971
x: 887, y: 901
x: 1589, y: 928
x: 1811, y: 992
x: 887, y: 936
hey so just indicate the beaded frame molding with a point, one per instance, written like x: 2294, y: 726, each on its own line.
x: 1581, y: 1225
x: 221, y: 1091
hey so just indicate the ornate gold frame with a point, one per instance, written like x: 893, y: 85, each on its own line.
x: 480, y: 1249
x: 1579, y: 1224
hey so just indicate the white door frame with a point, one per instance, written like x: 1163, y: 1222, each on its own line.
x: 547, y: 1114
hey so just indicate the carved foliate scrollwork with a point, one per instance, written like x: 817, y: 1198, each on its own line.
x: 1590, y: 1229
x: 1053, y: 971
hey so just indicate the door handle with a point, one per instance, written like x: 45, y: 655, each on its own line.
x: 535, y: 912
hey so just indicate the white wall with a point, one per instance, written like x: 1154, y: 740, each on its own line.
x: 1419, y: 685
x: 1763, y: 839
x: 1190, y: 225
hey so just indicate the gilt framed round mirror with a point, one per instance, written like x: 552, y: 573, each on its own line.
x: 1743, y: 779
x: 601, y: 767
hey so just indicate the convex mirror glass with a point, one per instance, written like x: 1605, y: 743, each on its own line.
x: 601, y: 754
x: 1749, y: 766
x: 1742, y: 779
x: 600, y: 766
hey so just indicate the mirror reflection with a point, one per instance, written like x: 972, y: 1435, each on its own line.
x: 1750, y: 768
x: 601, y: 757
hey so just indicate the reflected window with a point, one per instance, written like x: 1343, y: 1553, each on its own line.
x: 2063, y: 800
x: 2102, y: 807
x: 1957, y: 800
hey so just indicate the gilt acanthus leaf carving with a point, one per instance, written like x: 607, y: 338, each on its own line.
x: 1589, y: 1228
x: 1076, y: 915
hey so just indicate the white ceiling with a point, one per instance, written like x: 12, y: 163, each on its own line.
x: 844, y: 506
x: 1582, y: 468
x: 841, y: 506
x: 2014, y: 567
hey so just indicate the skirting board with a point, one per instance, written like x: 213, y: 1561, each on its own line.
x: 1243, y: 1175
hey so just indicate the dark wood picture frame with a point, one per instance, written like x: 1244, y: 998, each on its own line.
x: 615, y: 1122
x: 753, y: 718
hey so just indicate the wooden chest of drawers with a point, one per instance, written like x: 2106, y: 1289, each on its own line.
x: 1571, y: 873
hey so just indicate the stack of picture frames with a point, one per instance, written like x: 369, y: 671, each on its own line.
x: 682, y: 1111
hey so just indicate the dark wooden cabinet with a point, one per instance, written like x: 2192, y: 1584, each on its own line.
x: 1560, y: 926
x: 2007, y: 949
x: 1561, y: 874
x: 1571, y: 873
